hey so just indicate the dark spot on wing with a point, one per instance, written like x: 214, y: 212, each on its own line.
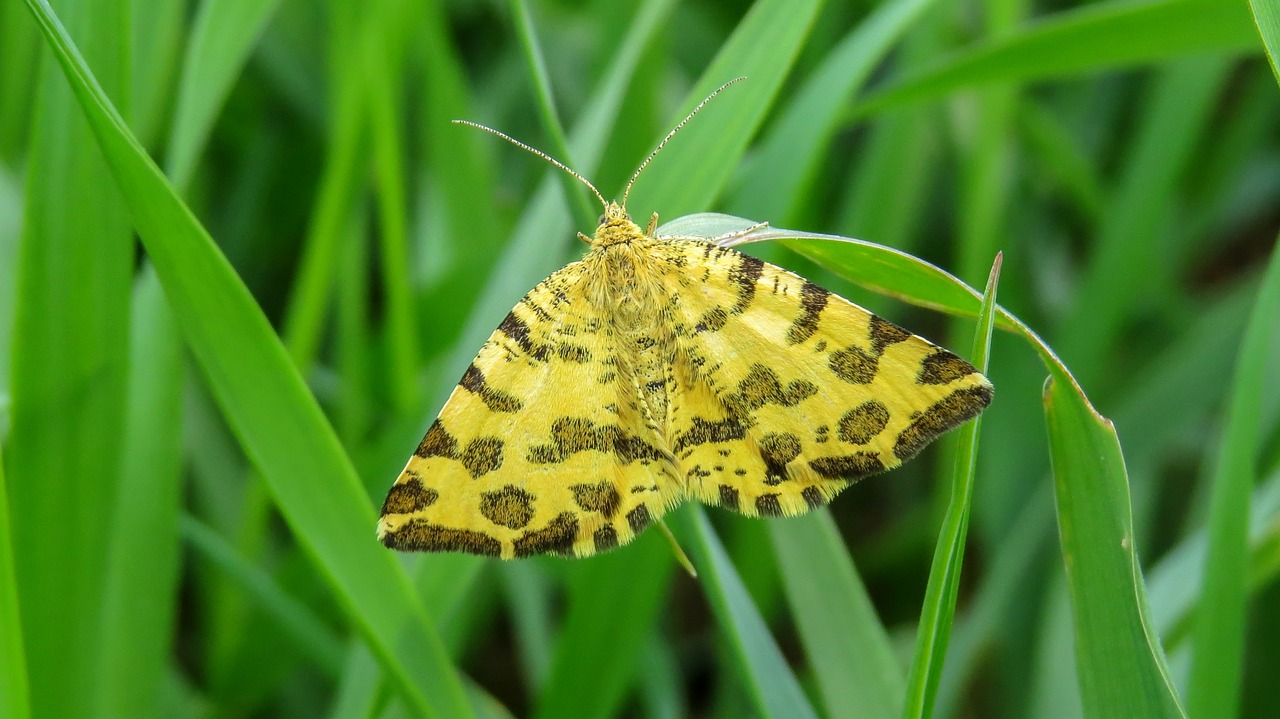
x: 946, y: 413
x: 862, y: 423
x: 409, y: 496
x: 510, y: 507
x: 473, y: 380
x: 420, y: 535
x: 555, y: 538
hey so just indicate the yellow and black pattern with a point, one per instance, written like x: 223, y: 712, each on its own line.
x: 652, y: 371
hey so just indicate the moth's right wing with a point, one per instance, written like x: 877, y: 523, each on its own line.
x: 787, y: 393
x: 539, y: 449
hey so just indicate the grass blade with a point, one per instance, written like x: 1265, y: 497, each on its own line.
x: 15, y: 700
x: 1267, y: 17
x: 1216, y: 677
x: 322, y: 646
x: 222, y: 35
x: 580, y: 203
x: 690, y: 173
x: 383, y: 58
x: 1118, y: 655
x: 68, y: 373
x: 763, y: 671
x: 849, y: 650
x: 939, y: 607
x: 1091, y: 38
x: 595, y: 655
x: 276, y: 419
x: 142, y: 566
x: 780, y: 171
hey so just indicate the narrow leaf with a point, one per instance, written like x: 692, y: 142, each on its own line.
x: 1219, y: 632
x: 276, y: 419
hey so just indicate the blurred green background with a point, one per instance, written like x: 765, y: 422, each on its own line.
x: 194, y: 448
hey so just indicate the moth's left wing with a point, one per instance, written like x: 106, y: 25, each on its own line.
x: 541, y: 448
x: 787, y: 393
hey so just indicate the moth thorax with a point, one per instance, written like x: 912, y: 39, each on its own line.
x: 615, y: 231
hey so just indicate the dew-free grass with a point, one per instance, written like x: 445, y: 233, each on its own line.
x: 193, y: 445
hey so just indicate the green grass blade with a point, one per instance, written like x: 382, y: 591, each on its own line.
x: 1177, y: 113
x: 142, y: 566
x: 763, y: 671
x: 321, y: 645
x: 1090, y: 38
x: 222, y: 35
x: 19, y: 43
x: 1216, y: 676
x: 276, y: 419
x: 1061, y: 157
x: 10, y: 242
x: 1119, y: 660
x: 527, y: 592
x: 15, y: 699
x: 383, y: 58
x: 68, y: 373
x: 341, y: 183
x: 581, y: 204
x: 939, y: 608
x: 595, y: 655
x: 783, y: 167
x: 159, y: 28
x: 690, y: 173
x: 1267, y: 17
x: 849, y: 650
x: 1177, y: 581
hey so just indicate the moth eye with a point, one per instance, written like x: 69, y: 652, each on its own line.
x: 602, y: 219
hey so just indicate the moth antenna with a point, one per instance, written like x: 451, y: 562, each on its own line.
x: 539, y: 153
x: 627, y: 191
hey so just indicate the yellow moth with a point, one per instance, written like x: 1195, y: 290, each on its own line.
x: 658, y: 369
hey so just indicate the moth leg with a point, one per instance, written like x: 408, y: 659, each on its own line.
x: 653, y: 225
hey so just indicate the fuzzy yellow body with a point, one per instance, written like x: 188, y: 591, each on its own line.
x: 656, y: 370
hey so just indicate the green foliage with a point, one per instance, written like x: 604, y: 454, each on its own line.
x: 194, y: 444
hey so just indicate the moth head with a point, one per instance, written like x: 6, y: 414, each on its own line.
x: 615, y: 226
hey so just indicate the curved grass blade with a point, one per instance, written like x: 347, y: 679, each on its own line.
x: 1121, y: 663
x: 939, y: 608
x: 1216, y: 666
x: 275, y: 417
x: 1119, y: 660
x: 883, y: 269
x: 1091, y: 38
x: 1266, y: 15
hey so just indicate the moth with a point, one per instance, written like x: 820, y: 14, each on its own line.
x: 658, y: 369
